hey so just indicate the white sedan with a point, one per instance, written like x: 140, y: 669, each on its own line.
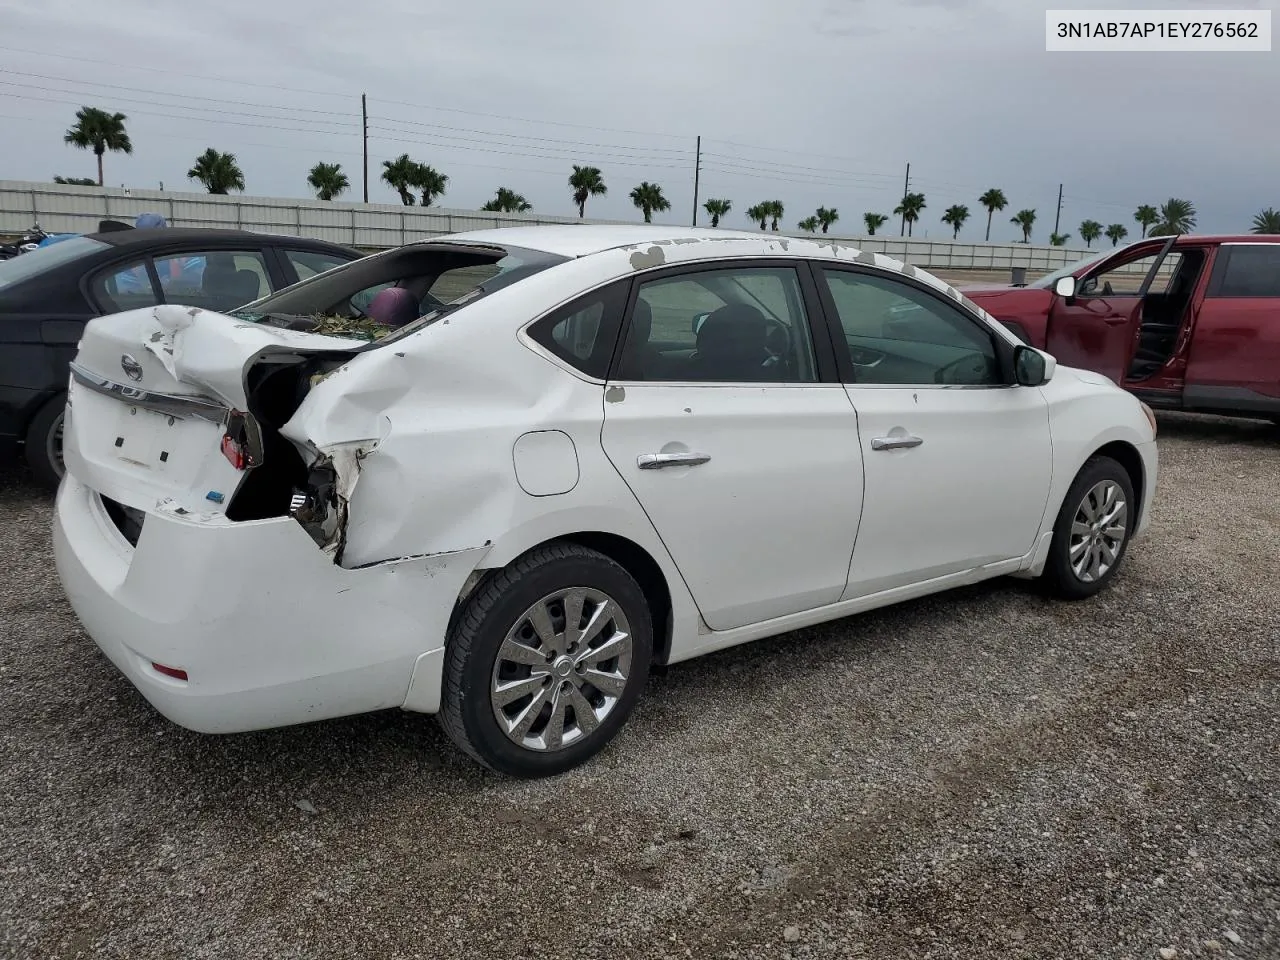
x: 497, y: 475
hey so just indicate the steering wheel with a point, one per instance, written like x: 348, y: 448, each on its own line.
x: 969, y: 369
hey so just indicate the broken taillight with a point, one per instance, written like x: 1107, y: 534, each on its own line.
x: 234, y: 452
x: 242, y: 443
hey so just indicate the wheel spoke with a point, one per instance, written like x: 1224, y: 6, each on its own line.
x: 553, y: 735
x: 506, y: 693
x: 583, y: 711
x: 1115, y: 515
x: 1079, y: 529
x: 573, y: 603
x: 540, y: 620
x: 1107, y: 552
x: 1079, y: 550
x: 616, y: 645
x: 520, y: 727
x: 601, y: 615
x: 610, y: 684
x: 1114, y: 533
x: 514, y: 651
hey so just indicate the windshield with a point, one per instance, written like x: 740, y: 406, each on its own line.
x: 1050, y: 279
x: 27, y: 265
x: 386, y: 295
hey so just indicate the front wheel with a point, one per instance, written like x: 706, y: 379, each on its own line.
x: 44, y: 442
x: 1091, y: 534
x: 546, y: 661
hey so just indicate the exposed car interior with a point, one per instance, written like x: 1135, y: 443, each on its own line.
x: 1164, y: 309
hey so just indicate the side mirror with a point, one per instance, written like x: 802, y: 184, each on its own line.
x: 1031, y: 367
x: 1065, y: 287
x: 698, y: 321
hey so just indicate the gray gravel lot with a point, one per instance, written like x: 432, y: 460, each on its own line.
x: 981, y: 774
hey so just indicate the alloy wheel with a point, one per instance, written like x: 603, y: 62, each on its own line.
x: 561, y: 669
x: 1098, y: 531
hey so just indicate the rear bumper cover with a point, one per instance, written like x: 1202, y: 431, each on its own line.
x: 270, y: 632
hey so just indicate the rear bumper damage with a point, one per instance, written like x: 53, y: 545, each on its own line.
x: 267, y: 628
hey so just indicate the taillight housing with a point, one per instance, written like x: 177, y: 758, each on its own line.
x: 242, y: 443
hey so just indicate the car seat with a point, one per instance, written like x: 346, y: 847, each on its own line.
x: 394, y: 307
x: 733, y: 346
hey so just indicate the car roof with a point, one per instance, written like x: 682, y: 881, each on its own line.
x: 580, y: 240
x: 136, y: 237
x: 1222, y: 238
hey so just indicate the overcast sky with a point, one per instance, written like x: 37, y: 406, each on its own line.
x: 807, y: 101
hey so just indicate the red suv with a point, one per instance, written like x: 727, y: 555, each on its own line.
x: 1185, y: 322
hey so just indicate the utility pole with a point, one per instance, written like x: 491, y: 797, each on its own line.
x: 1058, y: 217
x: 906, y: 185
x: 697, y: 170
x: 364, y: 116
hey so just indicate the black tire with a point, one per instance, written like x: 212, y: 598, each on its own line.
x: 44, y: 454
x: 1059, y: 576
x: 497, y: 606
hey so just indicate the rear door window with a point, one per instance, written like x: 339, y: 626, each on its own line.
x: 124, y: 287
x: 307, y: 263
x: 215, y: 280
x: 1247, y: 271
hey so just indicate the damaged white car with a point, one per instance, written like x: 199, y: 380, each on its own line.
x: 497, y: 475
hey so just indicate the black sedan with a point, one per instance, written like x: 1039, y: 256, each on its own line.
x: 48, y: 295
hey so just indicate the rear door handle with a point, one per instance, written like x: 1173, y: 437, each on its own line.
x: 895, y: 443
x: 656, y: 461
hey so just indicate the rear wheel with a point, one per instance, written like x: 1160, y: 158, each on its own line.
x: 44, y: 442
x: 546, y: 661
x: 1091, y: 534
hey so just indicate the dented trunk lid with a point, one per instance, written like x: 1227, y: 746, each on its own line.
x: 155, y: 391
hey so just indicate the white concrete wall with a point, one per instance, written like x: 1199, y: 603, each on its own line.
x: 60, y: 208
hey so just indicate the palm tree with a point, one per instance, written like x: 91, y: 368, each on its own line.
x: 1146, y: 215
x: 909, y: 209
x: 586, y: 182
x: 1268, y: 221
x: 1117, y: 232
x: 219, y: 172
x: 717, y: 209
x: 508, y: 201
x: 99, y: 131
x: 648, y: 197
x: 1025, y: 220
x: 328, y: 180
x: 1059, y: 239
x: 759, y: 214
x: 955, y: 217
x: 77, y: 181
x: 874, y: 222
x: 430, y: 181
x: 776, y: 210
x: 827, y: 216
x: 1176, y: 216
x: 1090, y: 230
x: 400, y: 175
x: 994, y: 199
x: 808, y: 224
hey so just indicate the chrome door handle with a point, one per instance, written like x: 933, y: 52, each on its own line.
x: 895, y: 443
x: 656, y: 461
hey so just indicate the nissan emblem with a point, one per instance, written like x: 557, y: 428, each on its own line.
x: 131, y: 367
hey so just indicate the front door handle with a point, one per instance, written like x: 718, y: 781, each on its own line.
x: 656, y: 461
x: 895, y: 443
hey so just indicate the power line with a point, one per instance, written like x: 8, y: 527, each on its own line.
x: 689, y: 154
x: 513, y: 153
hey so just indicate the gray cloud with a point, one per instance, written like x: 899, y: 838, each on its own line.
x: 811, y: 102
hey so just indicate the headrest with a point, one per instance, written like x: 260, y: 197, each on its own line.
x: 394, y: 307
x: 734, y: 328
x: 641, y: 322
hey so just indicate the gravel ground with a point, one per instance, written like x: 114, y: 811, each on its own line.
x: 981, y: 774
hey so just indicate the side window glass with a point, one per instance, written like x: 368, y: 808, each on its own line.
x: 1252, y: 271
x: 899, y: 334
x: 126, y: 287
x: 308, y: 263
x: 733, y: 325
x: 217, y: 280
x: 1125, y: 279
x: 584, y: 333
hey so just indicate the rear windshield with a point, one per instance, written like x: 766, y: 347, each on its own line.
x: 27, y: 265
x: 387, y: 295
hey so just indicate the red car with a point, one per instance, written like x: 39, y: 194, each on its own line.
x: 1185, y: 323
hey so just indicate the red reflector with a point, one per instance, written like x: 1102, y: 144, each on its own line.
x: 233, y: 452
x: 170, y: 671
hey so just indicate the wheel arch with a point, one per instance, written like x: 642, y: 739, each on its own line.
x: 626, y: 552
x: 1127, y: 455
